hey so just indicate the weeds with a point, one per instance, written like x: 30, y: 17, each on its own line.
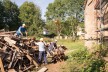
x: 81, y: 60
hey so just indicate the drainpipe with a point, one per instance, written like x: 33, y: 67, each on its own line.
x: 101, y: 23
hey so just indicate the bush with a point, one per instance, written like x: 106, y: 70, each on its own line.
x: 83, y: 61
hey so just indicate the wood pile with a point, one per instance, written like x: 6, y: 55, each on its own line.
x: 21, y: 55
x: 10, y: 33
x: 58, y: 54
x: 17, y: 54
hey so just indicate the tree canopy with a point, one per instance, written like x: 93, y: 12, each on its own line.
x: 64, y: 9
x: 1, y: 14
x: 30, y: 15
x: 69, y: 13
x: 9, y: 15
x: 12, y: 16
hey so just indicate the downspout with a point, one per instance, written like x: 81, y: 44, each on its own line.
x: 101, y: 23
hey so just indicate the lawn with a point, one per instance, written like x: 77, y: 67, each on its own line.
x: 72, y: 45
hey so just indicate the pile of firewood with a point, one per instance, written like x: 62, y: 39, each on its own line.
x: 58, y: 54
x: 17, y: 54
x: 20, y: 55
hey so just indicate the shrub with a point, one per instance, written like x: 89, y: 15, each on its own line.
x: 83, y: 61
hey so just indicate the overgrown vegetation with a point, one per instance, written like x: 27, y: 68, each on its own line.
x: 81, y: 60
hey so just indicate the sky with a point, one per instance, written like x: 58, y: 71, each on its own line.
x: 41, y: 3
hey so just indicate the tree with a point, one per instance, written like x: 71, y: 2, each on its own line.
x: 55, y: 10
x: 73, y: 27
x: 1, y: 14
x: 64, y: 8
x: 30, y: 15
x: 10, y: 15
x: 70, y: 11
x: 51, y: 27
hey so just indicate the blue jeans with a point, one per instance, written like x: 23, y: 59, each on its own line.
x: 42, y: 54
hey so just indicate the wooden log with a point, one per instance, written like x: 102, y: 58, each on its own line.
x: 1, y: 65
x: 16, y: 47
x: 15, y: 38
x: 4, y: 35
x: 32, y: 60
x: 10, y: 41
x: 12, y: 70
x: 10, y: 32
x: 31, y: 66
x: 13, y: 57
x: 44, y: 69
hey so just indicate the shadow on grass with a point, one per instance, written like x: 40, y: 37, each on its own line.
x: 52, y: 35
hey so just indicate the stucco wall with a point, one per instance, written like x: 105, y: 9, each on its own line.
x: 90, y: 25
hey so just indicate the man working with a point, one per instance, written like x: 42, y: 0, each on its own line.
x: 42, y: 53
x: 21, y: 31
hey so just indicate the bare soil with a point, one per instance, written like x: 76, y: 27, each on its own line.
x: 55, y: 67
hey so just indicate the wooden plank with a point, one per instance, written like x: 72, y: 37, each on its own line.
x: 28, y: 68
x: 16, y: 48
x: 44, y: 69
x: 4, y: 35
x: 13, y: 57
x: 12, y: 70
x: 10, y: 41
x: 31, y: 59
x: 1, y: 65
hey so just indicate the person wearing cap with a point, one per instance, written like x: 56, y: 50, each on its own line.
x: 42, y: 52
x: 55, y: 44
x: 21, y: 31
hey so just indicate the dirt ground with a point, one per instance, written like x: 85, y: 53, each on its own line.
x: 55, y: 67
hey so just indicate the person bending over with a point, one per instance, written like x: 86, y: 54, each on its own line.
x: 21, y: 31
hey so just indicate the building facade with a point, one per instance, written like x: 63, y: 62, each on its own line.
x: 96, y: 23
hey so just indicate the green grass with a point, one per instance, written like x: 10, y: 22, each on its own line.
x: 72, y: 45
x: 79, y: 58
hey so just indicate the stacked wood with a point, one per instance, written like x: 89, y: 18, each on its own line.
x: 17, y: 55
x: 20, y: 55
x: 57, y: 54
x: 10, y: 33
